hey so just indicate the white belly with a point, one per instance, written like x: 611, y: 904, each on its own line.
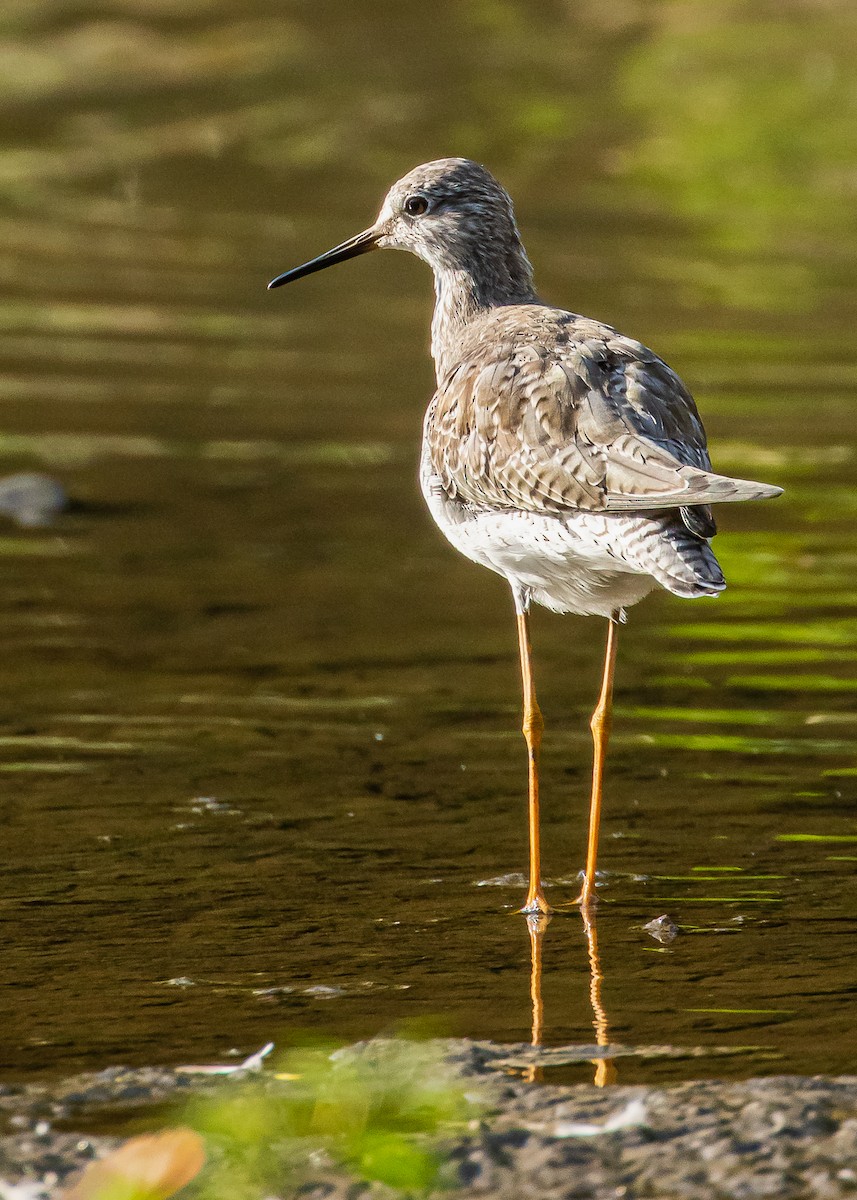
x: 570, y: 564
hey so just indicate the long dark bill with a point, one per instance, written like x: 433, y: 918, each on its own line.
x: 361, y: 244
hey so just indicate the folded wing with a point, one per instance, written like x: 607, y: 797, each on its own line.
x: 580, y: 418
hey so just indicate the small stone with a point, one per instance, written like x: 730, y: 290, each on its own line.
x: 662, y: 929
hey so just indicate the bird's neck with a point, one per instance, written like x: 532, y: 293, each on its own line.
x: 463, y: 295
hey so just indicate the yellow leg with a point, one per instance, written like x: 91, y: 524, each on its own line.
x: 600, y: 725
x: 532, y: 727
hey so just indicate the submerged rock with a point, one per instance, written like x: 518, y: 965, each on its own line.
x: 31, y: 499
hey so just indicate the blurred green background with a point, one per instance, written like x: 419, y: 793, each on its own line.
x: 259, y: 742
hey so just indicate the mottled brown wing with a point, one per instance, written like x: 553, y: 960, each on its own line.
x: 595, y: 423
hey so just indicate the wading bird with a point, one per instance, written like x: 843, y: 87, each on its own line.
x: 567, y: 458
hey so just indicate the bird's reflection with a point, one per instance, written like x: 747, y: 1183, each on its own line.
x: 605, y: 1068
x: 537, y: 923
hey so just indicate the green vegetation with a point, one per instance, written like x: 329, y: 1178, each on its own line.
x: 375, y: 1111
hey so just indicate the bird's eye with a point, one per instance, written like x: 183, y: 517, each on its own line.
x: 415, y: 206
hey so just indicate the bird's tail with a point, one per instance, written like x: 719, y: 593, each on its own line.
x: 681, y: 562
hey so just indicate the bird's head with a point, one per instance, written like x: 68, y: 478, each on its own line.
x: 453, y: 214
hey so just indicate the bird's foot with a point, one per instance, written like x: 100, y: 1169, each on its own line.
x: 587, y: 900
x: 535, y: 904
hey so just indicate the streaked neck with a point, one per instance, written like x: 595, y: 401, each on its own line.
x: 462, y: 295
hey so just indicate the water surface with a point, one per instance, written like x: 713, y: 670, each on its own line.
x: 260, y: 765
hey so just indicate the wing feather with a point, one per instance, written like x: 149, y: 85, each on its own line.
x: 570, y: 415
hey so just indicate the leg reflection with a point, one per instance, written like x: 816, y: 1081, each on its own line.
x: 537, y: 923
x: 605, y: 1068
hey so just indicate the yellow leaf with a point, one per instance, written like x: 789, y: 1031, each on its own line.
x: 150, y: 1167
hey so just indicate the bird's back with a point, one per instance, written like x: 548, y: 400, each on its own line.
x: 551, y: 425
x: 549, y: 411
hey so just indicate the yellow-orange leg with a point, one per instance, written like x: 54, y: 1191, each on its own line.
x: 532, y: 727
x: 602, y: 719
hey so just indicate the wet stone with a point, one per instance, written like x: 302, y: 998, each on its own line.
x: 662, y: 929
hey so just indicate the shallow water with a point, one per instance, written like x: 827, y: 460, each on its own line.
x: 259, y: 758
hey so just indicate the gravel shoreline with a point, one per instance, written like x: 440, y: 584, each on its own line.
x: 780, y: 1137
